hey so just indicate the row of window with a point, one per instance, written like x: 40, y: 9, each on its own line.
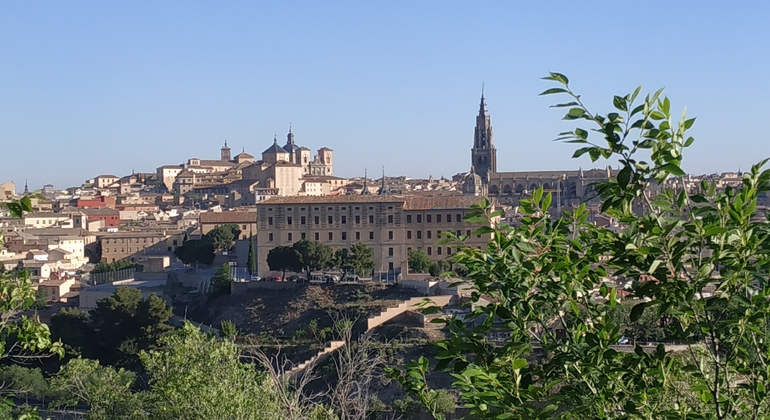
x: 429, y: 218
x: 144, y: 241
x: 357, y: 219
x: 154, y: 248
x: 330, y: 208
x: 344, y: 235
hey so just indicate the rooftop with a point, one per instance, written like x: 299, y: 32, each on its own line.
x: 410, y: 202
x: 229, y: 217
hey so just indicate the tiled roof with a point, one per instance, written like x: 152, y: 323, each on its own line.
x: 410, y: 202
x: 228, y: 217
x: 101, y: 212
x: 205, y: 162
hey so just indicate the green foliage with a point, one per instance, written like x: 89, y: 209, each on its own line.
x: 312, y: 255
x: 20, y: 335
x: 197, y: 376
x: 41, y: 300
x: 105, y: 390
x: 228, y: 330
x: 16, y: 208
x: 125, y: 324
x: 361, y: 259
x: 71, y: 326
x: 683, y: 244
x: 283, y: 258
x: 196, y: 251
x: 407, y: 407
x: 223, y: 237
x: 418, y: 261
x: 220, y: 282
x: 104, y: 267
x: 358, y: 259
x: 22, y: 381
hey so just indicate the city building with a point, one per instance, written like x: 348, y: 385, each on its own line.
x: 138, y: 246
x: 391, y: 225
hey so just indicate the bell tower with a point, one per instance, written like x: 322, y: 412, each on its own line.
x: 225, y: 153
x: 483, y: 153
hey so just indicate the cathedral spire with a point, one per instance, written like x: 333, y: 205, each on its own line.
x: 26, y: 187
x: 483, y: 104
x: 365, y: 191
x: 383, y: 188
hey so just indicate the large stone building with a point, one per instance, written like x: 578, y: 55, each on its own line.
x: 483, y: 179
x: 139, y: 246
x: 391, y: 225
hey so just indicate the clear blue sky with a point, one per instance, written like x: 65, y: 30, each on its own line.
x: 93, y: 87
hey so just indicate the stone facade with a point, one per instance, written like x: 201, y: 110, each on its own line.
x: 391, y: 225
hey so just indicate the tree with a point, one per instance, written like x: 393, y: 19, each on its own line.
x: 126, y: 324
x: 683, y: 243
x: 223, y: 237
x: 196, y: 251
x: 418, y: 261
x: 312, y: 255
x: 340, y: 260
x: 23, y: 381
x: 72, y: 327
x: 252, y: 263
x: 361, y: 259
x: 198, y: 376
x: 220, y: 282
x: 282, y: 258
x: 105, y: 390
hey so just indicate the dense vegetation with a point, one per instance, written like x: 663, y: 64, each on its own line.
x: 698, y: 261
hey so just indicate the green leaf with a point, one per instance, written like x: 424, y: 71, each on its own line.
x: 551, y: 91
x: 564, y: 105
x: 672, y: 169
x: 637, y: 311
x: 620, y: 103
x: 574, y: 114
x: 581, y: 152
x: 557, y: 77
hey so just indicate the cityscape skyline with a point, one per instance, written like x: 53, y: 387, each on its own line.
x: 94, y: 89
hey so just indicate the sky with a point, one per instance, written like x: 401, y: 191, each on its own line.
x: 95, y: 87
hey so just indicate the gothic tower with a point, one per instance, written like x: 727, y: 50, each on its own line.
x: 483, y: 153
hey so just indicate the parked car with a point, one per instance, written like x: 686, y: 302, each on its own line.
x: 331, y: 279
x: 255, y: 277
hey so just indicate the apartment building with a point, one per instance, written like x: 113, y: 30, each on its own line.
x: 391, y: 225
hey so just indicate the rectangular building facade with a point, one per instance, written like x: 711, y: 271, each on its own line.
x: 391, y: 225
x: 138, y: 246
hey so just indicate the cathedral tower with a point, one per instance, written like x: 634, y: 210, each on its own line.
x: 483, y: 153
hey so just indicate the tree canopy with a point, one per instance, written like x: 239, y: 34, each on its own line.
x: 121, y: 326
x: 196, y: 251
x: 283, y: 258
x: 313, y: 256
x: 223, y: 237
x: 418, y: 260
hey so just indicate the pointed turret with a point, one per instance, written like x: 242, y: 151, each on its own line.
x: 26, y: 187
x: 365, y: 191
x: 383, y: 187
